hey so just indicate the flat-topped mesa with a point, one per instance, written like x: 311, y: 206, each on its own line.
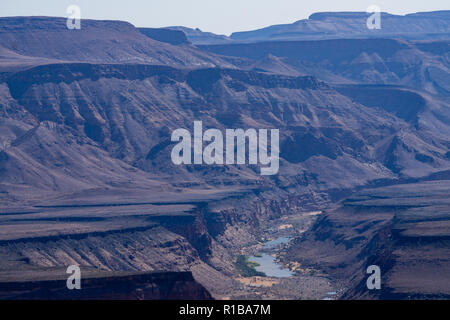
x: 200, y: 80
x: 23, y: 39
x: 55, y: 24
x: 442, y: 14
x: 175, y: 37
x: 351, y: 25
x: 322, y: 16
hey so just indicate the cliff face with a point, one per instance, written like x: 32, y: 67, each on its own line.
x: 150, y: 286
x: 175, y: 37
x: 125, y: 113
x: 403, y: 229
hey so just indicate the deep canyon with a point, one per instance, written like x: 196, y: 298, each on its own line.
x: 86, y: 177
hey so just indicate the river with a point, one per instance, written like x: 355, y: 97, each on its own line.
x: 267, y: 263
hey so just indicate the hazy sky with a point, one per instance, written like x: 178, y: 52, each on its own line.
x: 223, y: 17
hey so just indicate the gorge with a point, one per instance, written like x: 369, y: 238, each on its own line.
x: 87, y: 178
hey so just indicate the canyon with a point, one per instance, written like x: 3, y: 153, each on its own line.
x: 86, y: 175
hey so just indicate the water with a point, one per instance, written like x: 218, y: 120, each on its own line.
x: 329, y: 295
x: 275, y: 243
x: 270, y: 267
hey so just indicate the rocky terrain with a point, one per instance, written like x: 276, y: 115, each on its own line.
x: 86, y: 176
x: 423, y: 65
x: 402, y: 228
x: 147, y: 286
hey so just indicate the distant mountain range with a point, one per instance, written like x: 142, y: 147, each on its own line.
x: 197, y: 36
x: 338, y: 25
x: 347, y: 25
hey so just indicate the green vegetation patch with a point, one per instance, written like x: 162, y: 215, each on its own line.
x: 246, y: 268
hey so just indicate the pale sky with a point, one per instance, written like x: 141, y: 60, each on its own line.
x: 222, y: 17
